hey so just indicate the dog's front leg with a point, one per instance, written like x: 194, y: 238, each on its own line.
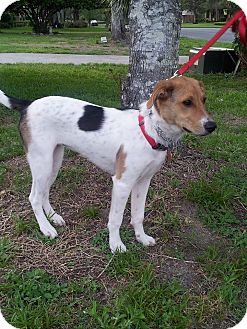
x: 138, y: 198
x: 120, y: 194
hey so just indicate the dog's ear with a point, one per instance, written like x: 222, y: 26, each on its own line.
x: 162, y: 91
x: 201, y: 84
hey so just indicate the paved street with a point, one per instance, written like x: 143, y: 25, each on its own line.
x: 206, y: 34
x: 12, y: 58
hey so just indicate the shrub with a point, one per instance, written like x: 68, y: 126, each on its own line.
x: 7, y: 20
x: 240, y: 49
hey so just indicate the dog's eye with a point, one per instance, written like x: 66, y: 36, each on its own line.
x: 204, y: 100
x: 187, y: 102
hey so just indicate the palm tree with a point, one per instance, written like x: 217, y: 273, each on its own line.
x: 154, y: 41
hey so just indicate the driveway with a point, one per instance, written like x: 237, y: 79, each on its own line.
x: 206, y: 34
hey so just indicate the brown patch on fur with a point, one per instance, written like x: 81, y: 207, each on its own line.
x: 168, y: 97
x: 120, y: 162
x: 25, y: 131
x: 150, y: 102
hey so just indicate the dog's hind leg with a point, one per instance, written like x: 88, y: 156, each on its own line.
x: 57, y: 162
x: 41, y: 162
x: 138, y: 198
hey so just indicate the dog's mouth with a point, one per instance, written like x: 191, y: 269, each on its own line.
x: 204, y: 133
x: 187, y: 130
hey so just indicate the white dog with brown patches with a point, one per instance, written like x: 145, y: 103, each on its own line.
x: 130, y: 145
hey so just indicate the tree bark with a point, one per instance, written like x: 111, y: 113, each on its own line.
x: 117, y: 22
x: 154, y: 44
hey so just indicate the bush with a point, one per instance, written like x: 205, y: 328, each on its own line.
x: 7, y: 20
x: 5, y: 25
x: 240, y: 49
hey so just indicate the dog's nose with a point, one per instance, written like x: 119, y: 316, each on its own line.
x: 210, y: 126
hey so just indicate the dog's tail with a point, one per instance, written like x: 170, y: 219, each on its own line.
x: 13, y: 103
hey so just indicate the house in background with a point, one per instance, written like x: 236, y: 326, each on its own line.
x: 188, y: 16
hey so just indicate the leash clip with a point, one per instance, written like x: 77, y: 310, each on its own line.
x: 175, y: 74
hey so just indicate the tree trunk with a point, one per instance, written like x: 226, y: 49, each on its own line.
x: 216, y: 12
x: 76, y: 14
x: 154, y: 42
x: 41, y: 26
x: 117, y: 22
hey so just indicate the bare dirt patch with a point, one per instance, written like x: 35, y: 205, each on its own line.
x: 234, y: 120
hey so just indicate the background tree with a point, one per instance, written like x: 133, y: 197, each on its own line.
x: 154, y: 41
x: 40, y: 12
x: 214, y: 7
x: 119, y: 14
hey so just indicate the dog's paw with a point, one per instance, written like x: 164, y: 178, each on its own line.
x: 146, y: 240
x: 48, y: 230
x: 58, y: 220
x: 117, y: 246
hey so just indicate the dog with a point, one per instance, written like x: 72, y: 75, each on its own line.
x: 130, y: 145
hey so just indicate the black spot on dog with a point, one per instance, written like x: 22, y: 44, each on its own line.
x: 92, y: 118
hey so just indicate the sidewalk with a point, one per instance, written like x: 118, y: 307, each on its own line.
x: 13, y: 58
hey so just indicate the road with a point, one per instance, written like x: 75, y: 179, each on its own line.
x: 206, y: 34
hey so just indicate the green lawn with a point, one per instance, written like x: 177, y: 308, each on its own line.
x: 76, y: 41
x: 203, y: 25
x: 195, y: 277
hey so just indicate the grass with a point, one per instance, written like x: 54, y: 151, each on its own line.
x: 195, y: 277
x: 203, y: 25
x: 23, y: 226
x: 66, y: 41
x: 145, y: 303
x: 76, y: 41
x: 90, y: 212
x: 221, y: 202
x: 6, y: 251
x: 45, y: 302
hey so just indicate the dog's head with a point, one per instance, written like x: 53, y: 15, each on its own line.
x: 181, y: 101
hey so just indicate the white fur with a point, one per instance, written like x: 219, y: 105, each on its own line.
x: 4, y: 99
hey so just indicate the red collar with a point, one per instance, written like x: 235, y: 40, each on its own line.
x: 152, y: 142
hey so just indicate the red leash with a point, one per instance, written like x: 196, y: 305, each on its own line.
x: 238, y: 21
